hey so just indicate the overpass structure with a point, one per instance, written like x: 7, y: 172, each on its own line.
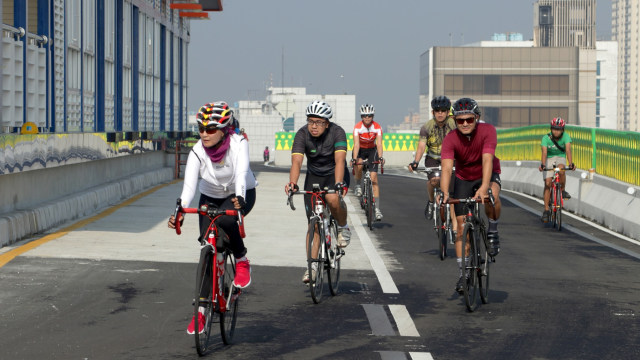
x: 47, y: 180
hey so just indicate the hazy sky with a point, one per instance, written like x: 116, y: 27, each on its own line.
x: 375, y: 45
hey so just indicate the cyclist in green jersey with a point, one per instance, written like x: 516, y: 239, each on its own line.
x: 556, y: 149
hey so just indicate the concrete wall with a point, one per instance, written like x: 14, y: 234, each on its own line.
x: 37, y: 200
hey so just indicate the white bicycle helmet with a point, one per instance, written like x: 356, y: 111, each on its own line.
x: 367, y: 109
x: 320, y: 109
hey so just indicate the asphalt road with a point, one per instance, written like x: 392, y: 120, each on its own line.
x: 120, y: 286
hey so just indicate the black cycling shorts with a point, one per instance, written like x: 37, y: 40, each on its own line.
x: 371, y: 155
x: 463, y: 189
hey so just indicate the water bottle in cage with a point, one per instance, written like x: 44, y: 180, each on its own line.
x: 319, y: 206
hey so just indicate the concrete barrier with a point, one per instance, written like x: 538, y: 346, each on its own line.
x: 38, y: 200
x: 597, y: 198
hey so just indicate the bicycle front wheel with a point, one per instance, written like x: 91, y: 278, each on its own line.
x: 554, y: 209
x: 229, y: 315
x: 315, y: 264
x: 441, y: 234
x: 559, y: 209
x: 204, y: 300
x: 483, y: 271
x: 334, y: 253
x: 470, y: 291
x: 370, y: 205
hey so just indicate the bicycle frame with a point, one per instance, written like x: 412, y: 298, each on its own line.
x: 555, y: 194
x: 325, y: 252
x: 367, y: 201
x: 479, y: 258
x: 210, y: 238
x: 215, y: 301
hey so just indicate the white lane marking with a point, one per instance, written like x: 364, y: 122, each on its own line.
x: 599, y: 227
x: 405, y: 325
x: 577, y: 231
x: 420, y: 356
x: 384, y: 277
x: 378, y: 320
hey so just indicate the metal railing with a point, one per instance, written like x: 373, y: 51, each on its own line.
x: 611, y: 153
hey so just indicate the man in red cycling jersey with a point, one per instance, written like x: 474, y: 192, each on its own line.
x: 367, y: 144
x: 472, y: 145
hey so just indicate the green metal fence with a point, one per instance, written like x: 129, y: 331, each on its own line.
x: 611, y: 153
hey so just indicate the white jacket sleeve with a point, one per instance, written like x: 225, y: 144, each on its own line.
x: 191, y: 173
x: 242, y: 168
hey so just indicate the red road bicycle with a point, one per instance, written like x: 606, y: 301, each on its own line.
x: 556, y: 201
x: 215, y: 293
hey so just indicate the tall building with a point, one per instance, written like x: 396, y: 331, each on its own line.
x: 626, y: 31
x: 564, y: 23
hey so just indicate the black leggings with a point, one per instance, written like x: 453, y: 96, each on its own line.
x: 227, y: 223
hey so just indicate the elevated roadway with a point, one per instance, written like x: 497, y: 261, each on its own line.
x: 120, y: 284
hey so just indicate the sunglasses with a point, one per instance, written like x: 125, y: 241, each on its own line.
x: 441, y: 110
x: 209, y: 131
x: 467, y: 120
x: 366, y: 116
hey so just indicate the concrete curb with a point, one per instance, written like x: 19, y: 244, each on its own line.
x: 25, y: 223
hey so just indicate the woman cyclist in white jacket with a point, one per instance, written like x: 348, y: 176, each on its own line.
x: 221, y: 159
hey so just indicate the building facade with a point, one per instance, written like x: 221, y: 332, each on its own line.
x: 518, y: 86
x: 93, y: 66
x: 284, y: 109
x: 564, y: 23
x: 626, y: 31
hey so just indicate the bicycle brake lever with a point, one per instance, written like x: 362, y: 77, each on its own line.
x: 290, y: 201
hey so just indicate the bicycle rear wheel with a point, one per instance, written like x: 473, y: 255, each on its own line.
x: 485, y: 261
x: 315, y: 264
x: 334, y: 253
x: 204, y: 303
x: 229, y: 316
x: 559, y: 209
x: 470, y: 291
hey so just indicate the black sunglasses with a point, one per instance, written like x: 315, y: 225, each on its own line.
x: 467, y: 120
x: 209, y: 131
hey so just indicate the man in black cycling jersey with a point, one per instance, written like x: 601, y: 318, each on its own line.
x: 325, y: 145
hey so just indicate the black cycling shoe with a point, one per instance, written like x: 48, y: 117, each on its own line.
x: 566, y: 195
x: 494, y: 243
x: 428, y: 211
x: 545, y: 216
x: 462, y: 282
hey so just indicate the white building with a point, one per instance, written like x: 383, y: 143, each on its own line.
x: 284, y: 110
x: 607, y: 84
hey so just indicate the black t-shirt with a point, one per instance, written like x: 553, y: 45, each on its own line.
x: 320, y: 151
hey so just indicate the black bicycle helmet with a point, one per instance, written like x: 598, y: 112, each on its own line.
x: 441, y: 103
x: 466, y: 106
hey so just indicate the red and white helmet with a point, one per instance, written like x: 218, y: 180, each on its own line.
x: 557, y: 123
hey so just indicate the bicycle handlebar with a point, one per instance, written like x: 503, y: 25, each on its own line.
x: 208, y: 211
x: 366, y: 162
x: 544, y: 168
x: 310, y: 192
x: 488, y: 199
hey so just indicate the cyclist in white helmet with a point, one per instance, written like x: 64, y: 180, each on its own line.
x: 367, y: 144
x: 325, y: 145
